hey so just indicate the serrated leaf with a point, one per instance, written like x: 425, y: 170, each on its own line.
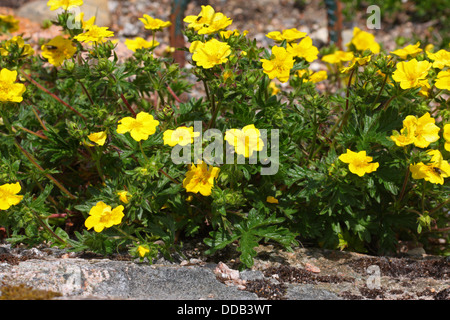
x: 218, y: 240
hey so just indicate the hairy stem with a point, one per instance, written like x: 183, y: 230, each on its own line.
x: 52, y: 94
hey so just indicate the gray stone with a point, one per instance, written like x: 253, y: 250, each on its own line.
x: 320, y: 35
x: 251, y: 275
x: 38, y: 11
x: 309, y: 292
x: 120, y: 280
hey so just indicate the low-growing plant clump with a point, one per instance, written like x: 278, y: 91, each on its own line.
x: 102, y: 154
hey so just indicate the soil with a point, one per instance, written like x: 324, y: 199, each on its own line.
x: 422, y: 277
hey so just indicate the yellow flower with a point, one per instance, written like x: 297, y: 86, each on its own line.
x: 102, y: 216
x: 440, y: 59
x: 57, y: 50
x: 411, y: 74
x: 429, y: 48
x: 411, y: 50
x: 210, y: 54
x: 404, y: 138
x: 446, y: 136
x: 139, y: 43
x: 8, y: 195
x: 18, y: 42
x: 153, y: 23
x: 9, y: 90
x: 363, y: 40
x: 318, y: 76
x: 124, y: 196
x: 359, y: 163
x: 310, y: 76
x: 304, y: 49
x: 200, y: 179
x: 245, y: 141
x: 435, y: 171
x: 360, y: 61
x: 85, y: 24
x: 288, y: 34
x: 208, y: 21
x: 424, y: 87
x: 142, y: 251
x: 65, y: 4
x: 271, y: 199
x: 140, y: 128
x: 338, y: 56
x: 98, y: 137
x: 420, y: 131
x: 228, y: 33
x: 182, y: 136
x: 425, y: 129
x: 273, y: 88
x: 443, y: 80
x: 9, y: 23
x: 95, y: 34
x: 280, y: 65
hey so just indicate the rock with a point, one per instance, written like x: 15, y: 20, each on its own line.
x: 320, y: 35
x: 129, y: 30
x: 229, y: 276
x: 3, y: 250
x: 251, y: 275
x: 79, y: 278
x: 308, y: 292
x: 38, y: 11
x: 312, y: 268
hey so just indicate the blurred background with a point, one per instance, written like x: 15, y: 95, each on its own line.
x: 401, y: 21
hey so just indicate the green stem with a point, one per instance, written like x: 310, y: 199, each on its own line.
x: 143, y: 153
x: 39, y: 118
x: 96, y: 158
x: 30, y: 157
x: 209, y: 96
x: 33, y: 161
x: 388, y: 102
x: 125, y: 101
x: 168, y: 176
x: 87, y: 92
x: 423, y: 196
x: 347, y: 97
x: 381, y: 90
x: 161, y: 98
x: 214, y: 116
x: 126, y: 234
x: 402, y: 193
x: 46, y: 227
x: 341, y: 120
x: 439, y: 206
x: 313, y: 145
x: 51, y: 94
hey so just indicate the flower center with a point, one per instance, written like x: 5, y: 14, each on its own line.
x: 5, y: 87
x: 136, y: 125
x: 105, y: 216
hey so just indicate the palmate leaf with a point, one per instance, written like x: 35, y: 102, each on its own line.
x: 218, y: 240
x: 249, y: 233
